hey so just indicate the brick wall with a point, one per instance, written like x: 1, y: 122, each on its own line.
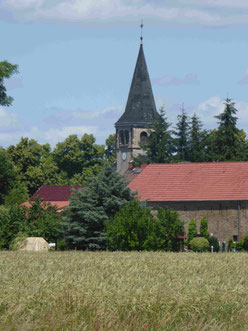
x: 222, y: 215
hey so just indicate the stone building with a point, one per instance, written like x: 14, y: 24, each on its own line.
x: 217, y: 190
x: 132, y: 128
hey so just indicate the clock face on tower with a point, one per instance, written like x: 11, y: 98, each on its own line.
x: 124, y: 156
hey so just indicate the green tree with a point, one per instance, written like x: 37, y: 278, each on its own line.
x: 134, y: 228
x: 159, y: 146
x: 192, y: 230
x: 6, y: 71
x: 204, y: 228
x: 12, y: 221
x: 227, y: 143
x: 197, y: 140
x: 172, y: 227
x: 110, y: 150
x: 91, y: 207
x: 7, y: 175
x: 17, y: 195
x: 34, y: 164
x: 74, y: 155
x: 182, y: 137
x: 42, y: 220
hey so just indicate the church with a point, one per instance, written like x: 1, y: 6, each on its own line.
x: 217, y: 190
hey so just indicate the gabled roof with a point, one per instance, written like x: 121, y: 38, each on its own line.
x: 140, y: 108
x: 55, y: 192
x: 56, y: 195
x: 215, y: 181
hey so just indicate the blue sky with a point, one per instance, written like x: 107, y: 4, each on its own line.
x: 76, y: 59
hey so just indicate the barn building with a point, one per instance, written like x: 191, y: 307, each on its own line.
x: 217, y: 191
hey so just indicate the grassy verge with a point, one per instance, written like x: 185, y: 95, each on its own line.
x: 123, y: 291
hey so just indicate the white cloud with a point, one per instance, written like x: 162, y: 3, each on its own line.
x: 200, y: 12
x: 55, y: 135
x: 113, y: 112
x: 244, y: 79
x: 167, y: 80
x: 8, y: 119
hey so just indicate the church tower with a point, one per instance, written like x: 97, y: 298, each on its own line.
x: 133, y: 126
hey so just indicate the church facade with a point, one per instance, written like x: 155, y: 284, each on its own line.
x: 132, y: 128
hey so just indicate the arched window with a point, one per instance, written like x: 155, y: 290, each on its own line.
x: 122, y: 138
x: 143, y: 138
x: 127, y: 137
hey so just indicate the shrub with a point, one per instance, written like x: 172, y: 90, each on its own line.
x: 192, y: 230
x: 134, y: 228
x: 213, y: 241
x: 18, y: 242
x: 171, y: 227
x: 245, y: 243
x: 204, y: 227
x: 199, y: 244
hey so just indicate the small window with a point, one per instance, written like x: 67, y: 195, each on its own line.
x: 235, y: 238
x: 122, y: 138
x: 143, y: 138
x: 127, y: 137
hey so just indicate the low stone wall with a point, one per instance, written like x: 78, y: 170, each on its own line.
x: 222, y: 215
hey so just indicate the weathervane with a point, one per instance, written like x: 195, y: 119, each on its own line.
x: 141, y: 32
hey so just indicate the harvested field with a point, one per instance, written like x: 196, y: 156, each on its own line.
x: 123, y: 291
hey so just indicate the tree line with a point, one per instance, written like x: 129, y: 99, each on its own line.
x: 188, y: 141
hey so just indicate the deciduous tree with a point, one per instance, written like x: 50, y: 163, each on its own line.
x: 6, y: 71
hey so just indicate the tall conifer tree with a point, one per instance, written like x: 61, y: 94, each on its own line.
x: 182, y: 137
x: 227, y: 142
x: 91, y: 207
x: 197, y: 138
x: 159, y: 145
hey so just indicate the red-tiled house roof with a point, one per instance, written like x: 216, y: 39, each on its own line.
x: 56, y: 195
x: 192, y: 182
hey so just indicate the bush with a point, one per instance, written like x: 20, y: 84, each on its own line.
x: 213, y: 241
x: 18, y: 242
x: 204, y: 227
x: 134, y: 228
x: 245, y: 243
x: 171, y: 227
x: 192, y: 230
x: 199, y: 244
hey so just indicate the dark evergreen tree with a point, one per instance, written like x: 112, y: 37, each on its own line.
x: 182, y: 137
x: 227, y: 144
x: 159, y: 146
x: 197, y: 140
x: 91, y: 207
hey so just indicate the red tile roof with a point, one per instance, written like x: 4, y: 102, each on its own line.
x: 55, y: 192
x: 192, y: 182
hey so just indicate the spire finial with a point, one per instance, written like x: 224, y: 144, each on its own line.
x: 141, y: 32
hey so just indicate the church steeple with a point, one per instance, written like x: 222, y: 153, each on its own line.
x: 132, y: 128
x: 140, y: 108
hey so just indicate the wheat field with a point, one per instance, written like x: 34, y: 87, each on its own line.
x: 123, y: 291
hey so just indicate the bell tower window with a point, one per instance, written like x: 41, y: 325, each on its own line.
x: 143, y: 138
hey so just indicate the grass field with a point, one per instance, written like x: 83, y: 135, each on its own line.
x: 123, y: 291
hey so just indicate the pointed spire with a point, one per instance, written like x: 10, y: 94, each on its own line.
x: 141, y: 32
x: 140, y: 108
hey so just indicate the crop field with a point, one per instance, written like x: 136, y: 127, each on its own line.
x: 123, y: 291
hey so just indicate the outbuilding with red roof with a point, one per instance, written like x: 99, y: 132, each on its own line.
x: 216, y: 190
